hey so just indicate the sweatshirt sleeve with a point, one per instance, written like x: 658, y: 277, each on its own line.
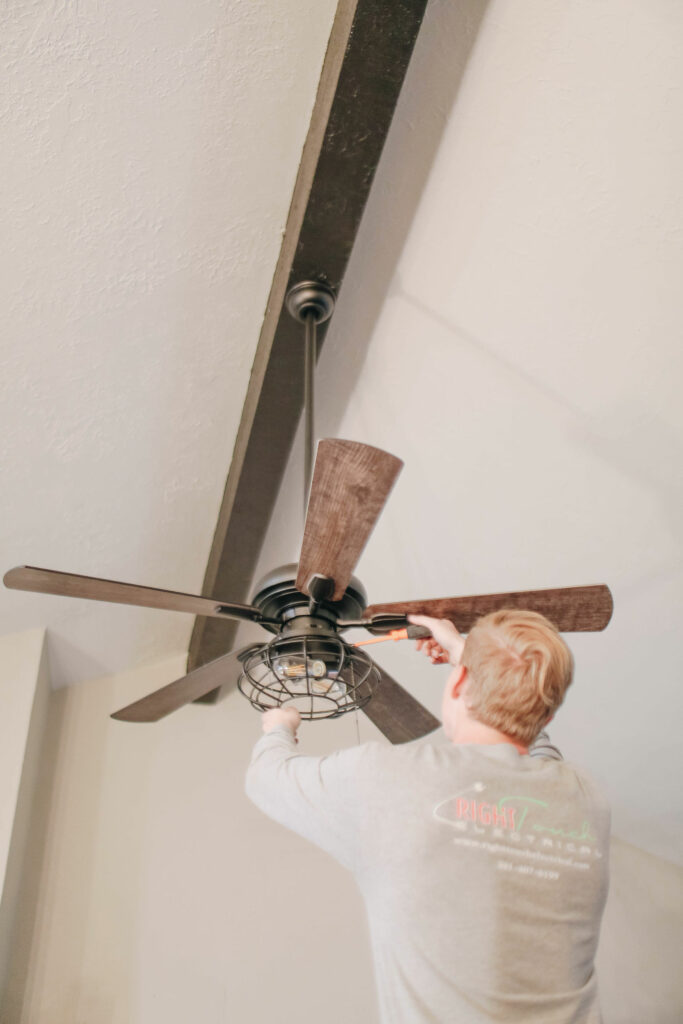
x: 320, y: 798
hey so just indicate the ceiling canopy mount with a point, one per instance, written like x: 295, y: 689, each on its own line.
x: 311, y: 299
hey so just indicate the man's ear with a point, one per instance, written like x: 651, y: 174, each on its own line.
x: 459, y: 682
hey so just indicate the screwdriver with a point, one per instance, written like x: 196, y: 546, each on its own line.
x: 407, y: 633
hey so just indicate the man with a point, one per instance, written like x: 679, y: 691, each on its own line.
x: 483, y: 868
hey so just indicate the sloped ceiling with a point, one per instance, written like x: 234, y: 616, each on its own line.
x: 148, y: 161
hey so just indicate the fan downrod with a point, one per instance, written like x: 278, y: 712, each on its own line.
x: 310, y: 298
x: 311, y: 303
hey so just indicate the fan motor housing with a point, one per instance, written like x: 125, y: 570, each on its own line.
x: 277, y: 597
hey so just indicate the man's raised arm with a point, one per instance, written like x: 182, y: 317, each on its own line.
x: 320, y: 798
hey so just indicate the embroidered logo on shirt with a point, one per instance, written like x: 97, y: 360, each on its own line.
x: 528, y: 833
x: 458, y: 808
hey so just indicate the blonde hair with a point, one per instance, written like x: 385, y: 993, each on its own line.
x: 519, y: 669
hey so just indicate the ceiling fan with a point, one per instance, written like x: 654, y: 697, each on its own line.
x: 307, y: 606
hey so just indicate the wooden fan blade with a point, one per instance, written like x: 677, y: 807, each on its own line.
x: 351, y: 483
x: 174, y: 695
x: 396, y: 713
x: 67, y: 584
x: 570, y: 609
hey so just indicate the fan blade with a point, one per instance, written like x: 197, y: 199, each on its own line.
x: 570, y: 609
x: 174, y: 695
x: 351, y: 483
x: 396, y: 713
x: 67, y: 584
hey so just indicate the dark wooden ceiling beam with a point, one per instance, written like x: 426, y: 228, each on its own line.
x: 366, y: 62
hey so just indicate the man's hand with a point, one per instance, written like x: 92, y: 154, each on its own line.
x: 445, y: 645
x: 288, y: 717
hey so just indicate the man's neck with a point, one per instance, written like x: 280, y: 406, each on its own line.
x: 472, y: 731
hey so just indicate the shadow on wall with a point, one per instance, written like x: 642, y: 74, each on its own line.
x: 447, y: 38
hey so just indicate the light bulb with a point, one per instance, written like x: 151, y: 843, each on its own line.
x: 293, y: 667
x: 307, y: 675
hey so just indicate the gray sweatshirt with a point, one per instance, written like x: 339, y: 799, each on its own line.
x: 484, y: 871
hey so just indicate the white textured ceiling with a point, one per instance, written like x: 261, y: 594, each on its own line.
x: 147, y: 163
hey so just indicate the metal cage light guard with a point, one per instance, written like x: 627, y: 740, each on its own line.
x: 321, y: 676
